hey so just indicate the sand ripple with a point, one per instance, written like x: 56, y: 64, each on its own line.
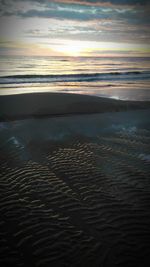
x: 80, y: 202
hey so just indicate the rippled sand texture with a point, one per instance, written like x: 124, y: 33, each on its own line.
x: 81, y: 201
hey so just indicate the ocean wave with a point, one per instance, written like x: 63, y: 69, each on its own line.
x: 33, y: 78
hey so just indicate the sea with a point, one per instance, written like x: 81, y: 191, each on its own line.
x: 126, y: 78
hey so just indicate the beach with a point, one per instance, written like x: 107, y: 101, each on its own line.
x: 27, y: 105
x: 75, y: 133
x: 74, y: 177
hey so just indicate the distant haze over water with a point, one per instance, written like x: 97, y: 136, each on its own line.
x: 115, y: 77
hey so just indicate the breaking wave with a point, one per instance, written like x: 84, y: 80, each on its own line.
x: 75, y: 77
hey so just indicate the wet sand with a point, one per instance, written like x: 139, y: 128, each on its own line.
x: 75, y: 190
x: 49, y: 104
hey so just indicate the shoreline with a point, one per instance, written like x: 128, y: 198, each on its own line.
x: 38, y: 105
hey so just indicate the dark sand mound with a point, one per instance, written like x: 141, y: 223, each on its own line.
x: 42, y: 104
x: 75, y: 191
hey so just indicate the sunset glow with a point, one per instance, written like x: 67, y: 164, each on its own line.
x: 74, y: 28
x: 71, y: 48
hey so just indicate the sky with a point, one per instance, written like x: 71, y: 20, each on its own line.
x: 75, y: 27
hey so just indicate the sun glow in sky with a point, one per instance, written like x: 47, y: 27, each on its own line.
x: 74, y: 28
x: 71, y: 48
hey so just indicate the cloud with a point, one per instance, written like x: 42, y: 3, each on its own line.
x: 103, y: 2
x: 54, y: 9
x: 26, y: 5
x: 61, y: 14
x: 118, y: 2
x: 39, y: 21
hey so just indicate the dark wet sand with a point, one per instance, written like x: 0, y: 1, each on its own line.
x: 77, y: 199
x: 51, y: 104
